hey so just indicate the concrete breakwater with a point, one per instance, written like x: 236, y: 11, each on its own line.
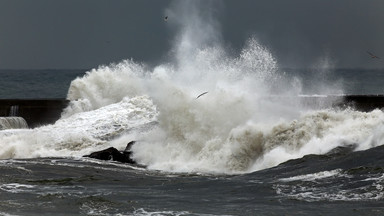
x: 36, y: 112
x: 39, y: 112
x: 364, y: 103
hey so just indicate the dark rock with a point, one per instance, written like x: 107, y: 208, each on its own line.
x: 114, y: 154
x: 129, y: 146
x: 342, y: 150
x: 128, y: 153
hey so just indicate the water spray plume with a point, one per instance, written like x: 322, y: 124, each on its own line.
x: 251, y: 119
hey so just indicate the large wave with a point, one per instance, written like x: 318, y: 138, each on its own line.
x: 250, y: 119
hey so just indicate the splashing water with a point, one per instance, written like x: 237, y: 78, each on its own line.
x: 12, y: 122
x: 239, y: 126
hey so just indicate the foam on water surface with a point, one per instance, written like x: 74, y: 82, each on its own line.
x: 334, y: 185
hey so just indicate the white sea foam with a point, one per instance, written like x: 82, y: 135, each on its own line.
x: 250, y: 119
x: 105, y: 86
x: 143, y: 212
x: 311, y: 194
x: 6, y: 214
x: 12, y: 123
x: 80, y: 133
x: 16, y: 188
x: 320, y: 189
x: 313, y: 176
x: 60, y: 191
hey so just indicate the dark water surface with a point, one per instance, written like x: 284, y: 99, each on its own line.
x: 22, y: 84
x: 339, y: 183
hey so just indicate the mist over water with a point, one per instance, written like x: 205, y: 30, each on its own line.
x: 239, y: 126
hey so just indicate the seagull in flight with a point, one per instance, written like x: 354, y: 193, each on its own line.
x: 201, y: 94
x: 372, y: 55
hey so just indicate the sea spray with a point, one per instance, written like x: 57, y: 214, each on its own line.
x: 256, y: 146
x: 12, y: 123
x: 189, y: 128
x: 187, y: 125
x: 104, y: 86
x: 318, y: 132
x: 80, y: 133
x: 250, y: 119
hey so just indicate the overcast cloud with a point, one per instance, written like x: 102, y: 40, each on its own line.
x: 87, y: 33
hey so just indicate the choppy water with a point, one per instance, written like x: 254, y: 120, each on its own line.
x: 341, y: 183
x: 236, y: 150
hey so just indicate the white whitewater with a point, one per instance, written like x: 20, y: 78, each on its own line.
x: 80, y: 133
x: 12, y: 123
x: 237, y: 127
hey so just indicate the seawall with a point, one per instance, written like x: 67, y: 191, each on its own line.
x: 364, y: 103
x: 36, y: 112
x: 39, y: 112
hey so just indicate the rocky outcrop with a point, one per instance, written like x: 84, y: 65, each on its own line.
x: 114, y: 154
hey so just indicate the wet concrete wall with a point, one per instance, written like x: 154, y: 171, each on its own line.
x: 364, y: 103
x: 39, y: 112
x: 36, y: 112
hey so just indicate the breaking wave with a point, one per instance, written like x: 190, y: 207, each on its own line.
x: 250, y: 119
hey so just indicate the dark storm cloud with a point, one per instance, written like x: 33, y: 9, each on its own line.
x: 301, y: 31
x: 87, y: 33
x: 79, y: 33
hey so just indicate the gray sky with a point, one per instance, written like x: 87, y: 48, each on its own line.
x: 40, y: 34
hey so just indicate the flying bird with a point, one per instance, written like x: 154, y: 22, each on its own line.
x: 166, y: 18
x: 372, y: 55
x: 201, y: 94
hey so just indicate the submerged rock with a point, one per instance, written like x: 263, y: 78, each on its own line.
x: 114, y: 154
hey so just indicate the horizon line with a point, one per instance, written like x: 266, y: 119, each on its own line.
x: 281, y: 68
x: 41, y: 69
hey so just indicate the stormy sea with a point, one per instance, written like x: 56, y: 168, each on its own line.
x: 217, y: 132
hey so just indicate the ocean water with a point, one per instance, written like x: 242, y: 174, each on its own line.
x: 247, y: 147
x: 36, y: 84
